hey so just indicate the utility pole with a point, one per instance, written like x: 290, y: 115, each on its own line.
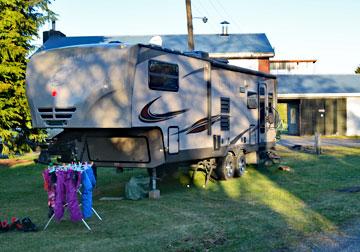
x: 189, y: 25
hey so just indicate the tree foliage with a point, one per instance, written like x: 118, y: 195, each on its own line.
x: 19, y: 24
x: 357, y: 71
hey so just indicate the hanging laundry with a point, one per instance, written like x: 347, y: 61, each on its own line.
x: 67, y: 184
x: 63, y: 183
x: 88, y: 184
x: 49, y: 186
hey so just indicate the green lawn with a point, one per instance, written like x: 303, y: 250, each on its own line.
x: 266, y: 210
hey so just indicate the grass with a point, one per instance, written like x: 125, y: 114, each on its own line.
x: 267, y: 209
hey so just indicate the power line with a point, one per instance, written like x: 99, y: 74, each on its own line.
x: 227, y: 13
x: 216, y: 10
x: 204, y: 14
x: 207, y: 14
x: 219, y: 14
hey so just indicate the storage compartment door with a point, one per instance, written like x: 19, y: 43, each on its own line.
x: 173, y: 140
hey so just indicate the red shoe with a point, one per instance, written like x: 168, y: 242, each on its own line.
x: 16, y: 224
x: 5, y: 226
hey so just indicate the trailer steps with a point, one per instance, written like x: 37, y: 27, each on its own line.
x: 207, y: 166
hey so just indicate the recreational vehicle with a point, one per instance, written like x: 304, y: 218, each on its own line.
x: 146, y: 106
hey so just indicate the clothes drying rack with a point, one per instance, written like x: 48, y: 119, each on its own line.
x: 83, y: 221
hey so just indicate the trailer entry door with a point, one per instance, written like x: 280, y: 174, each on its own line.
x: 173, y: 140
x: 263, y: 112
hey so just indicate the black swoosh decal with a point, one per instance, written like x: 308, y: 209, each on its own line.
x: 194, y: 72
x: 250, y: 129
x: 148, y: 117
x: 200, y: 125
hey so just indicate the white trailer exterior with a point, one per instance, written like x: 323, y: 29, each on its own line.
x: 146, y: 106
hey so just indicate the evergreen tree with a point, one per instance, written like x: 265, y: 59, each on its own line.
x: 357, y: 71
x: 19, y: 24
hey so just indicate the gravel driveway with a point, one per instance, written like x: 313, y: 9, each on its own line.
x: 290, y: 141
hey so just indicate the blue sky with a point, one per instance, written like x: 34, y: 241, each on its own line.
x: 326, y: 30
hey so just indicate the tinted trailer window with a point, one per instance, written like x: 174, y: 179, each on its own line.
x: 163, y: 76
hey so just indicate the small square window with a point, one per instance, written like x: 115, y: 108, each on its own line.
x: 252, y: 100
x: 163, y: 76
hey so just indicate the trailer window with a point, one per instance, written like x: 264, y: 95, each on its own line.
x: 163, y: 76
x: 252, y: 100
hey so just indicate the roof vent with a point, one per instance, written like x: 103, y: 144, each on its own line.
x: 224, y: 28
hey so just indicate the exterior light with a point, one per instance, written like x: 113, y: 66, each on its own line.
x: 53, y: 93
x: 204, y: 19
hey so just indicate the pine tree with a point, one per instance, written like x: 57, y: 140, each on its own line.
x: 19, y: 24
x: 357, y: 71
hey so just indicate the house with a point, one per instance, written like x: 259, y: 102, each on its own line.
x: 328, y: 104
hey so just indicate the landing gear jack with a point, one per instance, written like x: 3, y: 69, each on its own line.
x: 154, y: 193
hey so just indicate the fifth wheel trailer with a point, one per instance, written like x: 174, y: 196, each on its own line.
x: 146, y: 106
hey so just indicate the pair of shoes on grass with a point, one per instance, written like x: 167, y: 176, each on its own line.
x: 24, y: 225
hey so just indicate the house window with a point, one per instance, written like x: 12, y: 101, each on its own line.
x: 293, y: 116
x: 163, y: 76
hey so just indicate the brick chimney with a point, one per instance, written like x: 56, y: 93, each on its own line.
x: 53, y: 33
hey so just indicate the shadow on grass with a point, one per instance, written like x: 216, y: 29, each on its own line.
x: 265, y: 209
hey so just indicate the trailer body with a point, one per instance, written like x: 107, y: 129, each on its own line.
x: 146, y: 106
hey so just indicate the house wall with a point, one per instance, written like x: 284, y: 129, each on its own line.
x: 353, y: 116
x: 326, y: 116
x: 292, y: 67
x: 252, y: 64
x: 264, y: 65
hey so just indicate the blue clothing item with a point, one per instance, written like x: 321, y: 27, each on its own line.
x: 88, y: 183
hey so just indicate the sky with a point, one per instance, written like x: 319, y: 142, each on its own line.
x: 325, y: 30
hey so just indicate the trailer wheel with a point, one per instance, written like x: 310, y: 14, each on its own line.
x: 226, y: 168
x: 240, y: 165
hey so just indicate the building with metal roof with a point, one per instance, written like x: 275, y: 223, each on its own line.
x: 328, y: 104
x: 232, y: 45
x: 245, y: 50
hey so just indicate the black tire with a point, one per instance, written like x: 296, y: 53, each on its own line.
x: 226, y: 167
x: 240, y: 164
